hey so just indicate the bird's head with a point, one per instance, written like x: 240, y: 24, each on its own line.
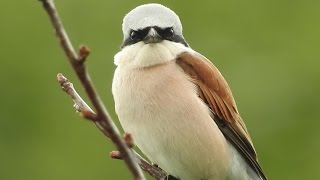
x: 151, y: 23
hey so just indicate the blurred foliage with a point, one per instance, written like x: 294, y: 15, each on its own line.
x: 268, y: 51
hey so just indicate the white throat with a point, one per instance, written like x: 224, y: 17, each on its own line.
x: 141, y: 55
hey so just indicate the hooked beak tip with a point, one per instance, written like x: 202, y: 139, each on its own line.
x: 152, y: 39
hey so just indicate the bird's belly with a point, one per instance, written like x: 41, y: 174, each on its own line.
x: 160, y: 107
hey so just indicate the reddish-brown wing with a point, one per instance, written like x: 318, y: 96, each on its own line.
x: 214, y: 91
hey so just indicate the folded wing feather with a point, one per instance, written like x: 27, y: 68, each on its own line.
x: 214, y: 91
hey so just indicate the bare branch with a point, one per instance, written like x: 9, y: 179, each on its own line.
x: 103, y: 120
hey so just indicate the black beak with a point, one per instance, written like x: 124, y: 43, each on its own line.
x: 152, y: 37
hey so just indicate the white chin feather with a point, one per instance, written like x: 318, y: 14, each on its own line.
x: 141, y: 55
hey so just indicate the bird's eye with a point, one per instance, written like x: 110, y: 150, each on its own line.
x: 168, y: 33
x: 171, y: 31
x: 134, y: 35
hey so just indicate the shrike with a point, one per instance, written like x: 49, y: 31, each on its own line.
x: 176, y: 104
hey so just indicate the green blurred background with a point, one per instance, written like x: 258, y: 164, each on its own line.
x: 268, y: 50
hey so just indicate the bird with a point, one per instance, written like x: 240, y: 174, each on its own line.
x: 176, y: 104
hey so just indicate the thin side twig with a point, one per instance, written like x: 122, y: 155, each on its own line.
x: 80, y: 105
x: 103, y: 119
x: 87, y: 112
